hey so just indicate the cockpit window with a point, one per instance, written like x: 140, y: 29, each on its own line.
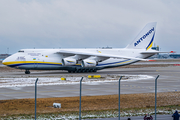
x: 21, y: 51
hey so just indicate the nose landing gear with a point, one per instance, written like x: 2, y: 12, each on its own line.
x: 27, y: 72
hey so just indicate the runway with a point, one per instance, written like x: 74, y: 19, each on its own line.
x: 168, y: 82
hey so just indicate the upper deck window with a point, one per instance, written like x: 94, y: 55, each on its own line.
x: 21, y: 51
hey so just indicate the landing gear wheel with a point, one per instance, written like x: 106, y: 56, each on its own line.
x: 79, y: 71
x: 88, y: 70
x: 83, y: 71
x: 27, y: 72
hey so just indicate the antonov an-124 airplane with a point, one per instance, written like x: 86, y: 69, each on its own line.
x: 85, y: 60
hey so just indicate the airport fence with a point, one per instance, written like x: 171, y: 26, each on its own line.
x: 119, y: 92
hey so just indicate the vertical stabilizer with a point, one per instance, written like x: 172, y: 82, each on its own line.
x: 145, y: 38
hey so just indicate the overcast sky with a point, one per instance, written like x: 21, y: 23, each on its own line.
x: 86, y: 23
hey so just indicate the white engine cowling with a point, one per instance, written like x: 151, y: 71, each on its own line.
x: 68, y: 61
x: 88, y: 63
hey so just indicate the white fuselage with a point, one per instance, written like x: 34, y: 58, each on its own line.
x: 43, y: 59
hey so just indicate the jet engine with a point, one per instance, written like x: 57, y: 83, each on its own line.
x: 68, y: 61
x: 88, y: 63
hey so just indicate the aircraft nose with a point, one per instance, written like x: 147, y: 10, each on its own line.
x: 5, y: 61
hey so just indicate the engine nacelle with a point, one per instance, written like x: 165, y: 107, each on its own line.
x: 88, y: 63
x: 68, y: 61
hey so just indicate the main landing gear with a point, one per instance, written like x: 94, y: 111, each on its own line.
x: 27, y: 72
x: 82, y: 70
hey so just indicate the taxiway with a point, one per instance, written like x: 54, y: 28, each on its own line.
x: 168, y: 81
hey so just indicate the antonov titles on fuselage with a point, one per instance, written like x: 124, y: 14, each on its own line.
x: 85, y: 60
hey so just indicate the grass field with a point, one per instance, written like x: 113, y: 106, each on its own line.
x: 89, y: 103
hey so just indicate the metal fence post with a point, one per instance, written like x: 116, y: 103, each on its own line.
x: 119, y: 95
x: 156, y: 94
x: 80, y: 99
x: 35, y: 95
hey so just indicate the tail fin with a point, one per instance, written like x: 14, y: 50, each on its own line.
x: 144, y: 39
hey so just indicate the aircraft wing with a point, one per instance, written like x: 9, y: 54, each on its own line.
x: 88, y: 54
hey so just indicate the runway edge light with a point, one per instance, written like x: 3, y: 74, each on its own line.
x: 97, y: 76
x: 89, y: 76
x: 63, y: 78
x: 94, y: 76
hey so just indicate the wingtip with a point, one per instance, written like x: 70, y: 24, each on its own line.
x: 172, y: 52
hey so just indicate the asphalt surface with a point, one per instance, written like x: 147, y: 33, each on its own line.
x: 168, y: 81
x: 159, y: 117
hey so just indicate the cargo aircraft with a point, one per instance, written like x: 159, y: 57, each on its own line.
x: 85, y: 60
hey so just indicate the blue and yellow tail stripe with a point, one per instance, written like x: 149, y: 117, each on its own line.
x: 151, y: 42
